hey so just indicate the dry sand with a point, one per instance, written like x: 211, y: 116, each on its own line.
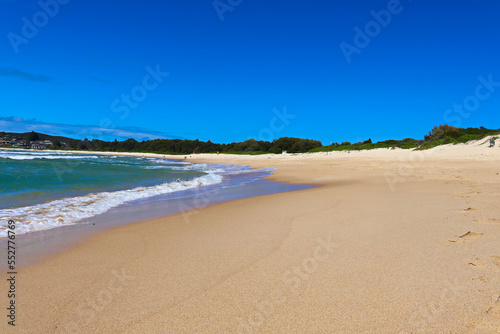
x: 392, y: 242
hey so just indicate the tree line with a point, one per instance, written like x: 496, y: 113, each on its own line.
x: 179, y: 146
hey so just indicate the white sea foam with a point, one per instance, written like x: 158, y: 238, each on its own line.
x: 50, y: 157
x: 43, y: 155
x: 68, y: 211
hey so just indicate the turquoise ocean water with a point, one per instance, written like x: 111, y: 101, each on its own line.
x: 42, y: 190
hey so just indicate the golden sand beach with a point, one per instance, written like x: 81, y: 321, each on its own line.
x: 391, y: 241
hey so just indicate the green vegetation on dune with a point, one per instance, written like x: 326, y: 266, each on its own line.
x: 446, y: 134
x: 368, y: 145
x: 439, y: 135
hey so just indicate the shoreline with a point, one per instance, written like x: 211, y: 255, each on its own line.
x: 35, y: 244
x: 40, y: 245
x: 473, y: 150
x: 369, y: 258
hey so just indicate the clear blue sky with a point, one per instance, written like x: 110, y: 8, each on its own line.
x: 226, y: 76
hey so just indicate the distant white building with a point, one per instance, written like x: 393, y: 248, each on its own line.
x: 38, y: 145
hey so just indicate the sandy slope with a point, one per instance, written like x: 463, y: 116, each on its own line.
x: 381, y: 247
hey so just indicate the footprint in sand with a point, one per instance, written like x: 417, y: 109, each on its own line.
x: 470, y: 209
x: 494, y: 311
x: 467, y: 236
x: 470, y: 235
x: 491, y: 263
x: 486, y: 220
x: 473, y: 192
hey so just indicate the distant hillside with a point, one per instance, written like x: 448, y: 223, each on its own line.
x: 26, y: 136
